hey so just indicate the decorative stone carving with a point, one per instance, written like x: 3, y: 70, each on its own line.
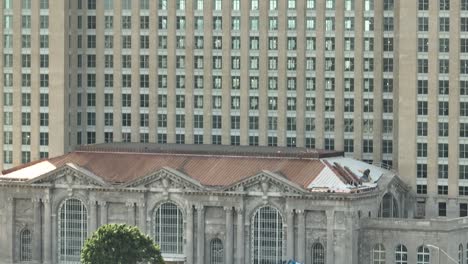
x: 339, y: 218
x: 166, y: 180
x: 266, y: 183
x: 70, y: 177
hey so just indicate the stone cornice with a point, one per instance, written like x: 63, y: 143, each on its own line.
x: 206, y: 192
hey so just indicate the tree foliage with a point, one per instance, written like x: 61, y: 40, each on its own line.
x: 120, y: 244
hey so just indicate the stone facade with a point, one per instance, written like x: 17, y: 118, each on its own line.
x: 347, y: 225
x: 330, y: 219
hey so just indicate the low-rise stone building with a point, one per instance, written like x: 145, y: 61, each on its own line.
x: 221, y: 204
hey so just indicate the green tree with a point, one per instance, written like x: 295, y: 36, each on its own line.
x: 120, y: 244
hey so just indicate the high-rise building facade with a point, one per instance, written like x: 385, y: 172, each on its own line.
x: 375, y: 78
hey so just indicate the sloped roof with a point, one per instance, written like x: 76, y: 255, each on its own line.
x: 221, y: 166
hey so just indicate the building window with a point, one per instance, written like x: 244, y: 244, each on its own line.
x: 463, y: 190
x: 401, y: 255
x: 388, y: 207
x: 378, y: 254
x: 267, y: 236
x: 72, y: 230
x: 444, y: 24
x: 423, y: 24
x: 25, y: 245
x: 442, y: 209
x: 443, y: 150
x: 442, y: 189
x: 421, y: 189
x: 460, y: 254
x: 169, y: 228
x: 464, y: 212
x: 318, y: 254
x: 216, y: 251
x: 464, y: 24
x: 423, y: 256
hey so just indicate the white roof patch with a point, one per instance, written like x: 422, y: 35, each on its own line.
x: 358, y: 167
x: 32, y: 171
x: 329, y: 180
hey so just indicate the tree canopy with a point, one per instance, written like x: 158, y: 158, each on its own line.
x: 120, y: 244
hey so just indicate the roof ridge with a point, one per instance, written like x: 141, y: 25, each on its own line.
x: 212, y: 155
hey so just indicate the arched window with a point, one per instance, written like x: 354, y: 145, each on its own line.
x: 169, y: 228
x: 25, y: 245
x: 267, y: 236
x: 217, y: 251
x: 318, y: 254
x: 460, y: 254
x: 401, y: 255
x: 388, y: 207
x: 72, y: 229
x: 466, y: 253
x: 378, y: 254
x: 423, y: 256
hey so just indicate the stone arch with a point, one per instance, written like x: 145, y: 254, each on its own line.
x: 267, y: 248
x: 216, y: 251
x: 389, y: 207
x: 167, y: 223
x: 318, y: 253
x: 25, y: 244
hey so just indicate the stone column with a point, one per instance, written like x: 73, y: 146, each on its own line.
x: 47, y: 231
x: 229, y: 236
x: 130, y: 213
x: 142, y: 217
x: 330, y: 237
x: 9, y: 231
x: 37, y: 234
x: 290, y: 235
x: 103, y: 208
x: 92, y: 216
x: 301, y: 234
x: 200, y: 234
x: 240, y: 236
x: 189, y: 236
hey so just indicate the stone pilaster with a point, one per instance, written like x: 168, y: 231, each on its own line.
x: 37, y: 234
x: 103, y: 208
x: 130, y: 213
x: 290, y: 235
x: 240, y: 236
x: 200, y: 234
x: 301, y: 237
x: 189, y: 236
x: 142, y: 217
x: 10, y: 230
x: 229, y: 236
x: 47, y: 248
x: 330, y: 237
x: 92, y: 216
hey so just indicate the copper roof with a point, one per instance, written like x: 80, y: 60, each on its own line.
x: 211, y: 166
x: 208, y: 170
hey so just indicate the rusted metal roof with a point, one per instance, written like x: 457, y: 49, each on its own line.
x: 211, y: 166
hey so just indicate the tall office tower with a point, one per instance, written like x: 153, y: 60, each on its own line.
x: 317, y: 73
x: 433, y: 99
x: 34, y: 91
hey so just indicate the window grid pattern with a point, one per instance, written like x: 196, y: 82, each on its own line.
x: 401, y: 255
x: 73, y: 230
x: 25, y: 247
x: 378, y: 254
x: 460, y: 254
x: 423, y: 256
x: 217, y: 251
x: 388, y: 207
x: 318, y: 254
x: 267, y: 236
x: 169, y: 228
